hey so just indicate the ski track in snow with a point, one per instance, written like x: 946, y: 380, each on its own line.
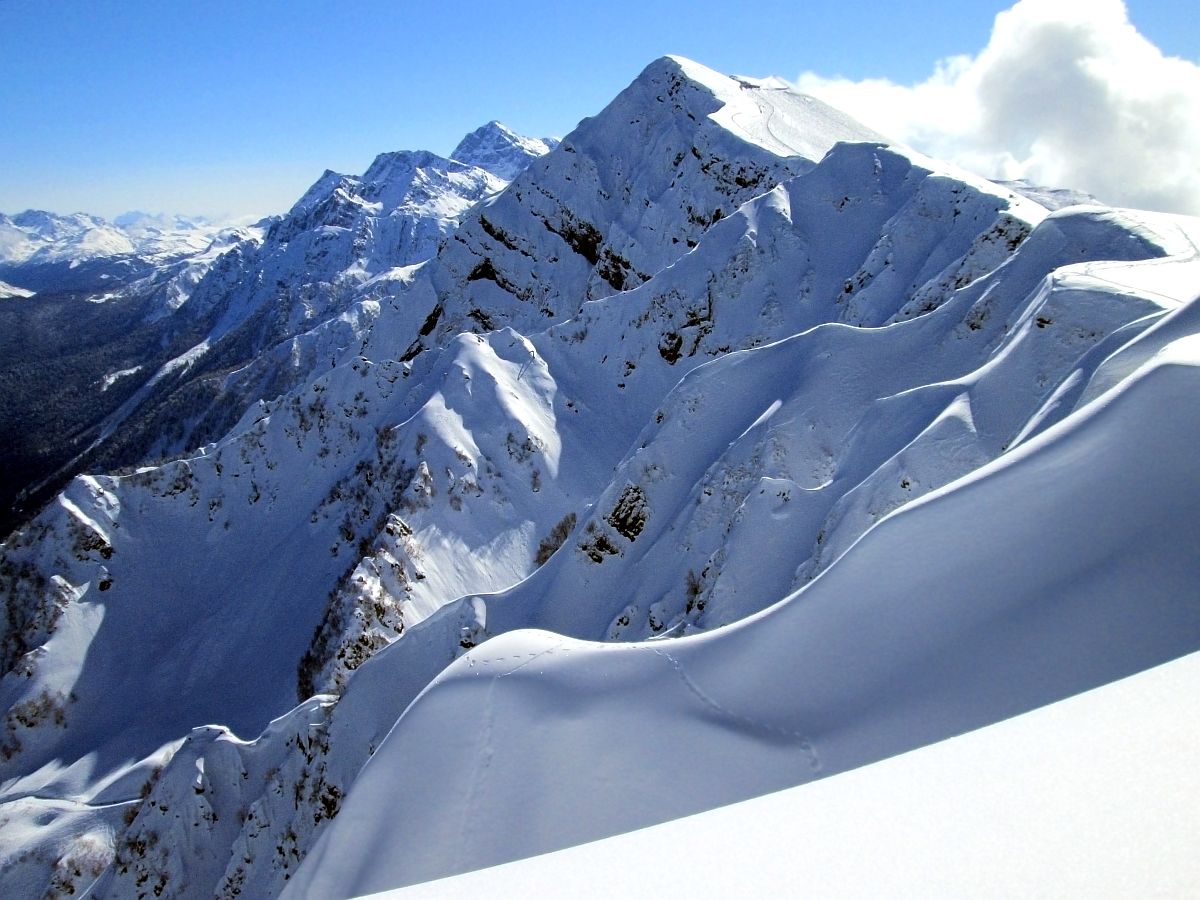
x: 752, y: 724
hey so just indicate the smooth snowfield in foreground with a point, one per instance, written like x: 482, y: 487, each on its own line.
x: 1093, y: 796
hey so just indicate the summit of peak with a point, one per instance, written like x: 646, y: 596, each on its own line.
x: 680, y: 68
x: 498, y: 149
x: 499, y: 128
x: 768, y: 113
x: 694, y: 71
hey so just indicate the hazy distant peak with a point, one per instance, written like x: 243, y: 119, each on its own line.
x: 1051, y: 197
x: 137, y: 220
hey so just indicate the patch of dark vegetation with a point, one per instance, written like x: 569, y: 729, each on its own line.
x: 628, y: 517
x: 555, y: 539
x: 693, y: 589
x: 618, y: 272
x: 44, y: 708
x: 598, y: 545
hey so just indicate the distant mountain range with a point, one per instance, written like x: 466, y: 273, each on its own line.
x: 41, y: 251
x: 485, y: 505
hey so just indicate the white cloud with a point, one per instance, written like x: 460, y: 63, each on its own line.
x: 1067, y: 93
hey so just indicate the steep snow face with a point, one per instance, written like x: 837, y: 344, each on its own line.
x: 848, y: 426
x: 500, y: 150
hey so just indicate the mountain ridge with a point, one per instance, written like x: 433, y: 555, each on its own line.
x: 221, y: 321
x: 659, y: 433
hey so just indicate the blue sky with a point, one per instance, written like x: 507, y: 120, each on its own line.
x: 233, y: 108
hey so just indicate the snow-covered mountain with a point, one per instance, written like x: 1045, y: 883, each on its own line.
x: 498, y: 149
x: 41, y: 251
x: 726, y: 448
x: 276, y: 311
x: 207, y: 336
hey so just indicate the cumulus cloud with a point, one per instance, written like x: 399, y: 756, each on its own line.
x: 1067, y: 93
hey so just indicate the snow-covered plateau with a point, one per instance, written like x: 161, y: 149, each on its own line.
x: 554, y: 490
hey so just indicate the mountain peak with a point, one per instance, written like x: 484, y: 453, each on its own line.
x: 399, y: 164
x: 674, y: 71
x: 498, y: 149
x: 767, y: 112
x: 48, y: 224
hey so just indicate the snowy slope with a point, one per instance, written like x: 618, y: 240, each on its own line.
x: 979, y: 617
x: 1090, y: 796
x: 10, y: 291
x: 727, y: 354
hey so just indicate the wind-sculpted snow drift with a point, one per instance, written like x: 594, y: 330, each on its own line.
x: 721, y: 358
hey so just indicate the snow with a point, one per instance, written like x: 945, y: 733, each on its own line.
x: 771, y: 115
x: 1051, y: 198
x: 980, y: 617
x: 110, y: 379
x: 500, y: 150
x: 726, y: 449
x: 35, y: 236
x: 1090, y: 796
x: 9, y: 291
